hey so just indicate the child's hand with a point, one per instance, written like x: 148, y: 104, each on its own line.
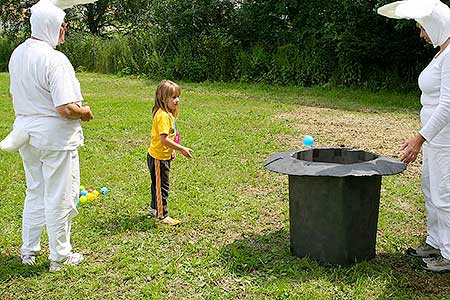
x: 187, y: 152
x: 174, y: 155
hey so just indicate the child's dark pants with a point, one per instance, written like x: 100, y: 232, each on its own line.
x: 159, y: 173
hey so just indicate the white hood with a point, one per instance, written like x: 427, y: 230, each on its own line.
x: 46, y: 20
x: 432, y: 15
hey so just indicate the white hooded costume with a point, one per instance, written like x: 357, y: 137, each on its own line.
x: 42, y: 79
x: 434, y: 82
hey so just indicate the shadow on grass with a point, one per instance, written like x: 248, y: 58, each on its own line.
x: 268, y: 256
x: 12, y: 267
x: 126, y: 223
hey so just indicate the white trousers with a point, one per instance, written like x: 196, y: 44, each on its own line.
x: 53, y: 183
x: 436, y: 191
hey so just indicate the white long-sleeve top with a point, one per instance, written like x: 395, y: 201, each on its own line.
x: 434, y: 82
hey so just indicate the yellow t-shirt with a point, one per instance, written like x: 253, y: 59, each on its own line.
x: 163, y: 123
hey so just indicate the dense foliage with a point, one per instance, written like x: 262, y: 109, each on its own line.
x: 306, y: 42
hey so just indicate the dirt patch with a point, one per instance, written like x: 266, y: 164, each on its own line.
x: 380, y: 133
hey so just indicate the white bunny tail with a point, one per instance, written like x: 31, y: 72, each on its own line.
x: 14, y: 140
x: 63, y: 4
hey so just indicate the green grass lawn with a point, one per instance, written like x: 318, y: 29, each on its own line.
x: 234, y: 239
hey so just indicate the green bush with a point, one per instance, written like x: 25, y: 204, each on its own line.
x: 7, y: 45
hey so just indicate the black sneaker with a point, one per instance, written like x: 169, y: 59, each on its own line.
x: 436, y: 264
x: 152, y: 213
x: 424, y: 250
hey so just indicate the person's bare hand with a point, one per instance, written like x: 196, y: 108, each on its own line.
x: 87, y: 114
x: 410, y: 149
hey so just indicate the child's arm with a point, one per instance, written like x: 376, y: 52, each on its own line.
x: 166, y: 141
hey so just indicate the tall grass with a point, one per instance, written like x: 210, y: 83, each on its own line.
x: 218, y: 58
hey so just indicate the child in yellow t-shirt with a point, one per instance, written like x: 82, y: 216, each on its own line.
x: 162, y: 147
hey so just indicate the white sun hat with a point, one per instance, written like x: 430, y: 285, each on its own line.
x: 14, y: 140
x: 432, y: 15
x: 63, y: 4
x: 408, y: 9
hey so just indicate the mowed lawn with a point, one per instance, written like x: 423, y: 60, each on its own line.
x: 234, y: 239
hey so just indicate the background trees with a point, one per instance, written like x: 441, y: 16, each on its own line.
x: 305, y: 42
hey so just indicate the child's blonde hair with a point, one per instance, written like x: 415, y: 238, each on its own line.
x: 164, y: 91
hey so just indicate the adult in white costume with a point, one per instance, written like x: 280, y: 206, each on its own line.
x: 47, y: 103
x: 433, y: 18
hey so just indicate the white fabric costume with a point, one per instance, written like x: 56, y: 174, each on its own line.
x: 42, y: 79
x: 434, y: 82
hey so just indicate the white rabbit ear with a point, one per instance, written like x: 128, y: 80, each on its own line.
x: 408, y: 9
x: 389, y: 10
x: 63, y: 4
x: 14, y: 140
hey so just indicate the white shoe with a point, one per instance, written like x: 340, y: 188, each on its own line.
x: 29, y: 260
x: 72, y: 259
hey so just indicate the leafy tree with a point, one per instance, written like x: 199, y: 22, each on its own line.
x: 14, y: 14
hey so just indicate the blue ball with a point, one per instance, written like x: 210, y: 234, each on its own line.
x: 83, y: 193
x: 308, y: 141
x: 104, y: 190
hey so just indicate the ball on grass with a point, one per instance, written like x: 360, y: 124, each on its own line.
x: 104, y: 190
x: 90, y: 197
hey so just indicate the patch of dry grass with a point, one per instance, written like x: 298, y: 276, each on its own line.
x: 378, y: 132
